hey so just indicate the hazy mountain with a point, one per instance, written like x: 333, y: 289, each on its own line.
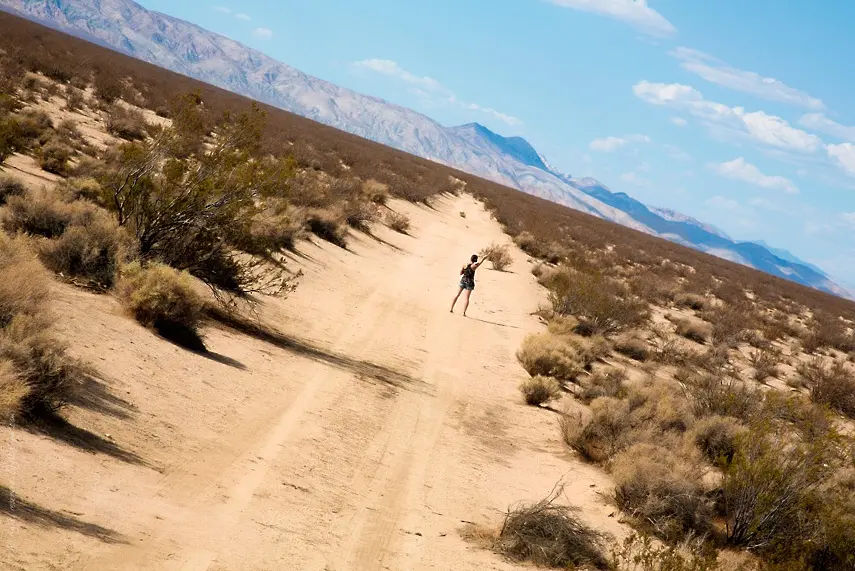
x: 183, y: 47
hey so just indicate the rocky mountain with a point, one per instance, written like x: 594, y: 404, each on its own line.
x: 183, y: 47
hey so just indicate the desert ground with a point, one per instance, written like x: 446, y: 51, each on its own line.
x: 370, y: 436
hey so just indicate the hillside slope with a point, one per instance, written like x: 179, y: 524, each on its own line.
x: 188, y: 49
x: 363, y: 438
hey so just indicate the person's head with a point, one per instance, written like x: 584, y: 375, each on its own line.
x: 474, y: 258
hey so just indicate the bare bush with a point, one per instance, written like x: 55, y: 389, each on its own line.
x: 125, y: 123
x: 692, y: 301
x: 499, y: 255
x: 398, y: 221
x: 662, y: 489
x: 832, y: 385
x: 549, y: 534
x: 74, y: 99
x: 722, y: 395
x: 328, y: 225
x: 549, y: 355
x: 540, y: 390
x: 765, y: 365
x: 360, y: 214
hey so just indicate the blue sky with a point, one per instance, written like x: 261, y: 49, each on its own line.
x: 738, y: 113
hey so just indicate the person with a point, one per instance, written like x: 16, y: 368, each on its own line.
x: 467, y: 282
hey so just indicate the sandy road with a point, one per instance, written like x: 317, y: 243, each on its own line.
x: 366, y: 445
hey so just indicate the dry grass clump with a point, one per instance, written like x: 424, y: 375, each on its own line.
x: 499, y: 255
x: 550, y: 535
x: 722, y: 395
x: 608, y: 382
x: 54, y: 157
x: 328, y: 225
x: 603, y: 304
x: 10, y: 187
x: 160, y: 297
x: 716, y: 438
x: 359, y: 214
x: 43, y: 213
x: 691, y: 301
x: 272, y: 229
x: 633, y: 347
x: 549, y: 355
x: 376, y: 192
x: 125, y: 123
x: 36, y: 375
x: 93, y: 249
x: 729, y: 323
x: 540, y: 390
x: 663, y: 489
x: 831, y: 385
x: 698, y: 332
x: 398, y: 221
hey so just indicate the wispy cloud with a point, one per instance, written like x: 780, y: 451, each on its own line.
x: 636, y: 13
x: 230, y: 12
x: 609, y: 144
x: 763, y: 128
x: 679, y: 121
x: 222, y: 9
x: 819, y: 122
x: 718, y: 72
x: 263, y: 33
x: 848, y: 218
x: 430, y: 88
x: 244, y: 17
x: 740, y: 169
x: 636, y: 180
x: 843, y: 155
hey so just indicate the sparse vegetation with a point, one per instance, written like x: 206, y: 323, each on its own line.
x: 499, y: 255
x: 694, y: 331
x: 10, y: 187
x: 832, y: 385
x: 398, y: 222
x: 549, y: 355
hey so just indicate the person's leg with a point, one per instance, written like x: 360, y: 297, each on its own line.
x: 455, y: 299
x: 466, y: 301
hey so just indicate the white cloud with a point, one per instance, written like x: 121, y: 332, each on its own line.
x: 222, y: 9
x: 636, y: 13
x: 244, y: 17
x: 429, y: 88
x: 676, y: 152
x: 679, y: 121
x: 718, y: 72
x: 819, y: 122
x: 609, y: 144
x: 767, y: 129
x: 844, y: 155
x: 635, y: 179
x: 263, y: 33
x: 739, y: 169
x: 848, y: 218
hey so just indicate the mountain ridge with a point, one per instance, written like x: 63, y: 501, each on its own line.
x: 186, y: 48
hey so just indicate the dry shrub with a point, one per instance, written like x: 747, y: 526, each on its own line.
x: 716, y: 438
x: 722, y: 395
x: 662, y: 488
x: 765, y: 365
x: 767, y: 487
x: 608, y: 382
x: 462, y: 214
x: 54, y: 157
x: 125, y: 123
x: 604, y: 304
x: 160, y: 297
x: 81, y: 188
x: 831, y: 385
x: 376, y: 192
x: 328, y: 225
x: 398, y: 221
x: 694, y: 331
x: 641, y: 553
x: 10, y: 187
x: 728, y: 323
x: 93, y: 250
x: 45, y: 214
x: 28, y: 351
x: 528, y: 243
x: 540, y: 390
x: 360, y: 214
x: 549, y: 355
x: 499, y: 255
x: 633, y: 347
x: 551, y: 535
x: 692, y: 301
x: 74, y: 100
x: 272, y: 229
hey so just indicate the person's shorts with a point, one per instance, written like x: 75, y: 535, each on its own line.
x: 468, y: 286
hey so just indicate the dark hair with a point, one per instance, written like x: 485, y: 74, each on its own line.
x: 474, y: 258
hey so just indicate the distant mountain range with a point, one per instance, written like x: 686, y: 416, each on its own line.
x: 185, y: 48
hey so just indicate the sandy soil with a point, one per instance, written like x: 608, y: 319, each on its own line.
x: 365, y: 437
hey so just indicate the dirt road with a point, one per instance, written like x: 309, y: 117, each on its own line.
x: 364, y: 437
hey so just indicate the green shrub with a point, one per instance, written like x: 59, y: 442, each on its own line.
x: 540, y: 390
